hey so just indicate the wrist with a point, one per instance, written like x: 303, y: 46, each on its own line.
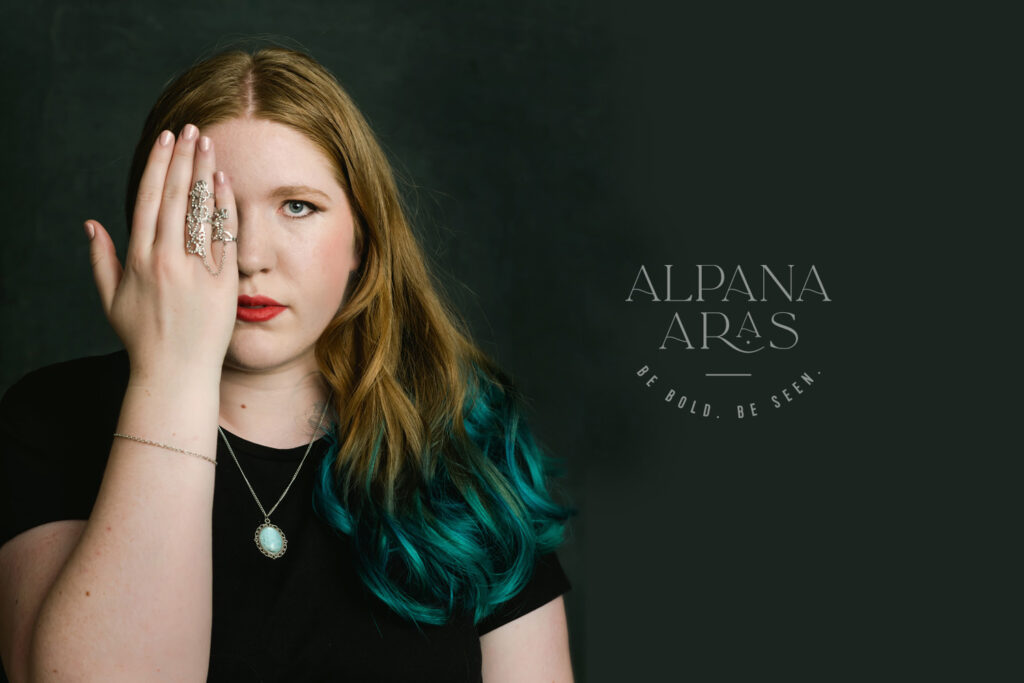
x: 182, y: 411
x: 191, y: 391
x: 162, y: 380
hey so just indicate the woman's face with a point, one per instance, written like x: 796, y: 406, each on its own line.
x: 295, y: 240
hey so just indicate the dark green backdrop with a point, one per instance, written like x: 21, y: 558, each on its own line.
x: 551, y: 148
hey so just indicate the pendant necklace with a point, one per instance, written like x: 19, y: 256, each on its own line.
x: 269, y: 538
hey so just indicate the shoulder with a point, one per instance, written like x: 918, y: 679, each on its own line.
x: 77, y: 389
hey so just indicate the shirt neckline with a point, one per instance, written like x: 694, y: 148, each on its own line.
x: 251, y: 449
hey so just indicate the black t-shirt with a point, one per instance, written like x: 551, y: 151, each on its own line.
x: 302, y: 617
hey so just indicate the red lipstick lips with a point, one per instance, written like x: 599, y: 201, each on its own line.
x: 257, y: 309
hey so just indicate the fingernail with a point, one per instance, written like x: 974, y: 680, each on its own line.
x: 204, y: 143
x: 90, y: 231
x: 219, y: 176
x: 166, y: 137
x: 190, y: 131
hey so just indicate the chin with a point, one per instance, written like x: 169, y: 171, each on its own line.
x: 257, y: 356
x: 248, y: 361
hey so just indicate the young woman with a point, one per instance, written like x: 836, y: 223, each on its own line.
x: 380, y: 511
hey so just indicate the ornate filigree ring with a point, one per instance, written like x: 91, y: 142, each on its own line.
x: 198, y: 215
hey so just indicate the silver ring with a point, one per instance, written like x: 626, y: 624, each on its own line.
x: 219, y: 233
x: 199, y: 214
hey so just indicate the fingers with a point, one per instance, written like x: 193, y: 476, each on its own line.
x: 163, y: 211
x: 106, y: 269
x: 151, y: 188
x: 170, y: 231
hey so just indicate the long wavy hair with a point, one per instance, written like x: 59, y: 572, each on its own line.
x: 432, y: 473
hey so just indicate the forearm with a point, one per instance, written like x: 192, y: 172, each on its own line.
x: 134, y: 600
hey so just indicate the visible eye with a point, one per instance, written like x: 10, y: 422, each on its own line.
x: 296, y: 205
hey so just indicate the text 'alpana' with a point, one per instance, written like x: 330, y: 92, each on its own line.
x: 710, y: 281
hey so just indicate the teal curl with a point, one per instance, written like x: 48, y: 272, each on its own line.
x: 470, y: 536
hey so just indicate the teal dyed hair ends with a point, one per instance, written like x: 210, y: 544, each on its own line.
x: 469, y: 536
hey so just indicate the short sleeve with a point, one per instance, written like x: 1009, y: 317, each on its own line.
x: 547, y: 582
x: 56, y: 428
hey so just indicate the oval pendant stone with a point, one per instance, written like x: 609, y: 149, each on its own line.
x: 270, y: 540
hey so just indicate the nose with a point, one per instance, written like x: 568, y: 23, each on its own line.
x: 255, y: 249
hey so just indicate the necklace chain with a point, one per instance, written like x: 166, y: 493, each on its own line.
x: 266, y: 515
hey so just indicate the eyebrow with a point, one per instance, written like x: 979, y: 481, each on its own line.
x: 286, y: 191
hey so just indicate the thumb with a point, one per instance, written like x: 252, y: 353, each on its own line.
x: 106, y: 269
